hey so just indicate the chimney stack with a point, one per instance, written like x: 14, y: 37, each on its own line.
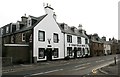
x: 24, y: 19
x: 109, y: 39
x: 80, y: 27
x: 104, y: 38
x: 48, y: 9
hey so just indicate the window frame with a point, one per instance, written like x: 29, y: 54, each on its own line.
x: 56, y: 56
x: 69, y: 51
x: 55, y: 40
x: 69, y: 38
x: 23, y: 36
x: 7, y: 29
x: 41, y: 57
x: 12, y: 39
x: 86, y: 41
x: 39, y: 39
x: 79, y: 40
x: 1, y: 31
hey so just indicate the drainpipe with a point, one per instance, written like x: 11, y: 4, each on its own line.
x: 64, y: 44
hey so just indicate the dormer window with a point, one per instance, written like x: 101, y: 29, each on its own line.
x: 7, y: 29
x: 29, y: 22
x: 17, y: 26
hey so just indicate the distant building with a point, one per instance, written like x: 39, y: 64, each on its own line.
x: 118, y: 47
x: 107, y: 46
x: 96, y: 45
x: 114, y: 45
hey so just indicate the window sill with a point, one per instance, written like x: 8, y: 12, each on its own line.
x: 41, y: 57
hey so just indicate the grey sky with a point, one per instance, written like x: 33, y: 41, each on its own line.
x: 96, y: 16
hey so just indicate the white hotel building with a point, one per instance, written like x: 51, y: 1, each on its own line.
x: 52, y: 40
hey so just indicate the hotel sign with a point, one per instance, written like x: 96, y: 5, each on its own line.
x: 77, y: 45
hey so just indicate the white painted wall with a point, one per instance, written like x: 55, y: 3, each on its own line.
x: 49, y: 25
x: 107, y: 49
x: 74, y: 41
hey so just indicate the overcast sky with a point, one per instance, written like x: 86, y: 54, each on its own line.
x: 96, y: 16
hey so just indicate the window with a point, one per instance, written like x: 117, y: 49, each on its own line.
x: 41, y: 35
x: 23, y: 36
x: 7, y: 29
x: 97, y: 39
x: 80, y: 31
x: 41, y: 53
x: 1, y: 31
x: 79, y: 52
x: 55, y: 52
x: 30, y: 38
x: 79, y: 40
x: 12, y: 39
x: 55, y: 38
x: 69, y: 51
x: 29, y: 22
x: 86, y: 41
x: 69, y: 38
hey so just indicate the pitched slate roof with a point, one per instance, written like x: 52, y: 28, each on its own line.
x: 69, y: 31
x: 93, y: 38
x: 25, y: 28
x: 96, y: 41
x: 38, y: 20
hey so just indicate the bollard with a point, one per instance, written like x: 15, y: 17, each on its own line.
x: 115, y: 60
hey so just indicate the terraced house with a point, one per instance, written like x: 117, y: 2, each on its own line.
x: 76, y: 42
x: 96, y: 45
x: 42, y: 38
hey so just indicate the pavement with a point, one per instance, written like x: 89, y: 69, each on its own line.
x: 112, y: 69
x: 109, y: 70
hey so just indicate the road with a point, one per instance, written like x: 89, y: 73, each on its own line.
x: 81, y: 66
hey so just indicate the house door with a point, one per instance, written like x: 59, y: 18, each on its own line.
x: 49, y: 54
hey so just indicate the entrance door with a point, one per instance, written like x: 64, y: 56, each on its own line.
x: 75, y: 52
x: 49, y: 54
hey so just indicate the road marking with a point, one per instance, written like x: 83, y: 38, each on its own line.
x: 53, y: 71
x: 47, y: 72
x: 82, y: 65
x: 103, y: 71
x: 100, y: 61
x: 37, y: 74
x: 66, y: 64
x: 110, y: 58
x: 103, y: 65
x: 79, y: 68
